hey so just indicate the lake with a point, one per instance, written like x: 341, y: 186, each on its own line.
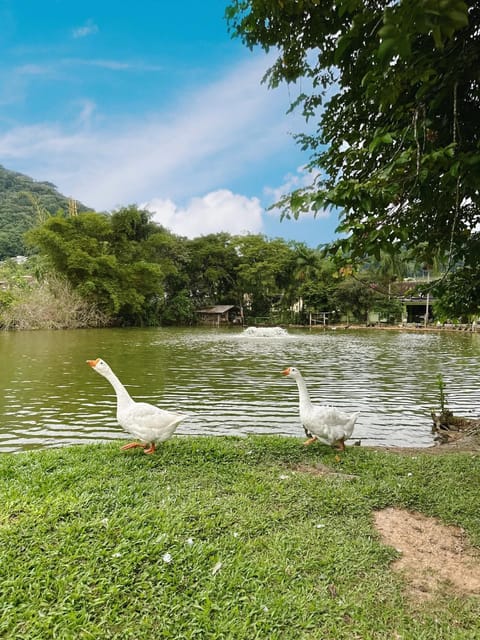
x: 229, y: 381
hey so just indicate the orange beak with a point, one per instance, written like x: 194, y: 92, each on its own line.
x: 286, y: 371
x: 93, y: 363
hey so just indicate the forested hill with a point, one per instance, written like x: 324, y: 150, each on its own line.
x: 23, y: 203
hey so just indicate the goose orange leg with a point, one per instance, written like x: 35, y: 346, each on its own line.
x: 151, y: 448
x: 131, y: 445
x: 309, y: 441
x: 339, y: 446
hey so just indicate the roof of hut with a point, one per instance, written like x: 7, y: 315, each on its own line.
x: 218, y: 308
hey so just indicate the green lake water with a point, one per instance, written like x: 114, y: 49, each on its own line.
x: 230, y: 382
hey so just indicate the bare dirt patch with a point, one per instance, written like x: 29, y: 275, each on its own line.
x: 463, y: 445
x: 434, y: 556
x: 321, y: 469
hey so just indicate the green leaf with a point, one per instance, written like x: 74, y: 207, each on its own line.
x: 342, y: 45
x: 386, y: 50
x: 386, y: 138
x: 459, y: 18
x: 437, y: 37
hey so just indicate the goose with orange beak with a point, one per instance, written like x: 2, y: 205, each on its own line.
x: 145, y: 422
x: 321, y: 422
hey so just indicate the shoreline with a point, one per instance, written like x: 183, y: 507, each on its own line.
x: 463, y: 328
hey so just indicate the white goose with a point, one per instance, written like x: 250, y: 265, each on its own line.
x: 323, y: 423
x: 144, y: 421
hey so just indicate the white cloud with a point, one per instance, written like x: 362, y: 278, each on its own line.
x: 88, y: 108
x: 88, y: 29
x: 33, y: 70
x: 29, y: 142
x: 111, y: 65
x: 200, y: 144
x: 217, y: 211
x: 293, y: 181
x: 212, y: 141
x: 14, y: 84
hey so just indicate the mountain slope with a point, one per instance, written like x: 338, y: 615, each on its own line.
x: 24, y: 202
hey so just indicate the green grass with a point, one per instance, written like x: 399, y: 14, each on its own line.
x: 84, y: 532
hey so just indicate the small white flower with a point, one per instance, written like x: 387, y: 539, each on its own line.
x: 216, y: 568
x: 319, y: 526
x: 105, y: 522
x: 283, y: 477
x: 167, y: 557
x: 409, y: 475
x: 116, y: 555
x: 190, y: 541
x: 265, y: 608
x: 235, y: 534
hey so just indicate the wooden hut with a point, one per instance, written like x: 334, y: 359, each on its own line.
x: 220, y: 314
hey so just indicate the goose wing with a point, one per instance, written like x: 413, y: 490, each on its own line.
x: 328, y: 423
x: 148, y: 422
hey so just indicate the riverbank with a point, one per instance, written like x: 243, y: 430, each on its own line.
x: 409, y: 327
x: 225, y: 537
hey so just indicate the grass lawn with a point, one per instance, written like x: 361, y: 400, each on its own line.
x: 223, y: 538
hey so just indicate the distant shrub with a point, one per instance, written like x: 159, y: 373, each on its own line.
x: 51, y: 304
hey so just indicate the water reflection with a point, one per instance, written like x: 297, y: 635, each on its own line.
x: 229, y: 382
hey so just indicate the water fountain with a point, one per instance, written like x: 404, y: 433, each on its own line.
x: 265, y: 332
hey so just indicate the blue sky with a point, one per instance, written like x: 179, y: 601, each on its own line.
x: 150, y: 103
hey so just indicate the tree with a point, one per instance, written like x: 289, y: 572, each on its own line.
x: 104, y: 259
x: 354, y: 298
x: 171, y: 253
x: 307, y: 262
x: 213, y: 269
x: 395, y: 92
x: 459, y: 296
x: 264, y: 273
x: 318, y: 291
x: 312, y: 280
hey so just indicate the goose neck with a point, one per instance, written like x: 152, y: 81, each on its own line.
x: 123, y: 397
x: 303, y: 392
